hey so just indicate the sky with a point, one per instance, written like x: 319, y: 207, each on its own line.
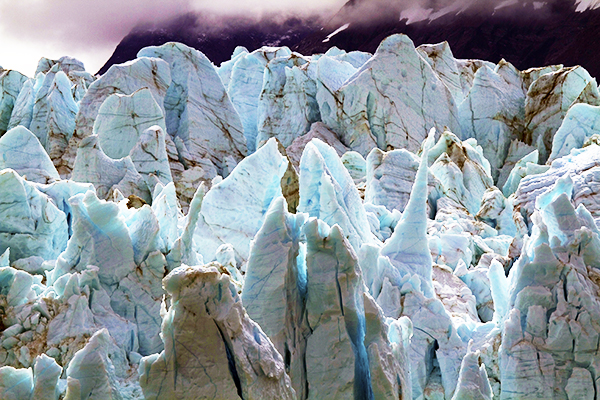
x: 90, y: 30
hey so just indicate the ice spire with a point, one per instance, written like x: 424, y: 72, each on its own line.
x: 407, y: 248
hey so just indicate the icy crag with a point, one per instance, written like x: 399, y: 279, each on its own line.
x: 332, y: 226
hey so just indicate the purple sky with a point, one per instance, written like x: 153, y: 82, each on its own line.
x: 89, y: 30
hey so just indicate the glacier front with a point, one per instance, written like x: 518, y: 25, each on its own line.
x: 403, y: 224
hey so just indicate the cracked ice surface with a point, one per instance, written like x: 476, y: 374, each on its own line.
x: 287, y: 226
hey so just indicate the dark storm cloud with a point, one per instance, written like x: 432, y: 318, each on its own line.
x: 89, y: 23
x: 90, y: 30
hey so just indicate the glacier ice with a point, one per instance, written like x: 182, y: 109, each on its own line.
x: 331, y: 302
x: 54, y: 112
x: 23, y: 106
x: 345, y: 349
x: 252, y: 186
x: 212, y: 348
x: 543, y: 341
x: 11, y: 83
x: 274, y: 292
x: 21, y: 151
x: 373, y: 110
x: 245, y: 85
x: 122, y: 119
x: 407, y: 248
x: 525, y: 166
x: 45, y: 375
x: 91, y: 372
x: 492, y: 108
x: 580, y: 165
x: 317, y: 131
x: 473, y: 380
x: 389, y: 179
x: 549, y: 98
x: 402, y: 224
x: 68, y: 65
x: 462, y: 169
x: 197, y: 107
x: 150, y: 158
x: 288, y: 93
x: 442, y: 61
x: 32, y: 225
x: 108, y: 175
x: 579, y: 124
x: 226, y: 67
x: 327, y: 192
x: 126, y: 78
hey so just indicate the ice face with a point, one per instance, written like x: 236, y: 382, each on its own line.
x: 31, y: 222
x: 108, y: 175
x: 372, y: 109
x: 68, y: 65
x: 206, y: 329
x: 462, y: 169
x: 226, y: 67
x: 21, y: 151
x: 579, y: 124
x: 441, y: 59
x: 97, y: 222
x: 91, y: 372
x: 11, y: 83
x: 54, y: 112
x: 122, y: 119
x: 548, y: 100
x: 198, y: 110
x: 490, y: 112
x: 259, y: 178
x: 23, y: 105
x: 334, y: 300
x: 149, y: 156
x: 289, y: 92
x: 126, y: 78
x: 407, y: 248
x: 317, y: 131
x: 390, y: 176
x: 355, y: 252
x: 579, y: 165
x: 473, y: 381
x: 537, y: 320
x: 274, y: 292
x: 246, y: 84
x: 327, y: 192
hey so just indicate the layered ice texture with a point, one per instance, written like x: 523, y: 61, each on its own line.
x: 344, y: 225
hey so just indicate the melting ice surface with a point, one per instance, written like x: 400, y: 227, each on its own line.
x: 344, y: 225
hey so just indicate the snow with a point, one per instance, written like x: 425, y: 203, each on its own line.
x: 584, y: 5
x: 338, y: 30
x: 415, y: 14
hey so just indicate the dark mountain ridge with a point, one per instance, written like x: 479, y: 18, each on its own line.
x: 215, y: 38
x: 525, y: 33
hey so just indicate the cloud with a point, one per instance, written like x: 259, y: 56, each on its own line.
x: 82, y: 23
x: 86, y: 22
x: 87, y: 30
x: 90, y: 30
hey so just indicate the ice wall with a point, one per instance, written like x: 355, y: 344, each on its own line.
x: 286, y: 226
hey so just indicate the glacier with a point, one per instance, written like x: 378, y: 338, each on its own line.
x: 403, y: 224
